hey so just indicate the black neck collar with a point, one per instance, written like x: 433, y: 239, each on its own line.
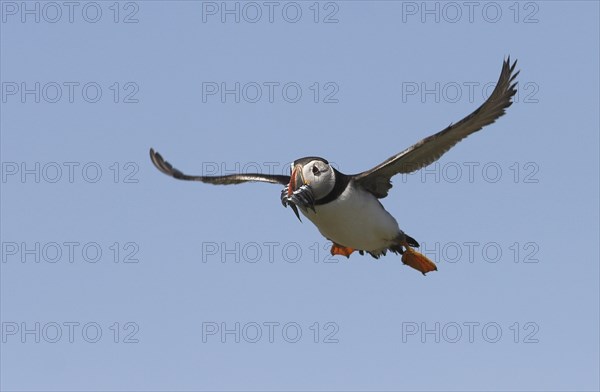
x: 341, y: 182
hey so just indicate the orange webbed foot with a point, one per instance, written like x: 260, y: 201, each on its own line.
x: 418, y: 261
x: 341, y: 250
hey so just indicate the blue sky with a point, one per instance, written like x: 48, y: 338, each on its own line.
x: 116, y: 277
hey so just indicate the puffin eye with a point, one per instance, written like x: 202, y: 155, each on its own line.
x: 315, y: 170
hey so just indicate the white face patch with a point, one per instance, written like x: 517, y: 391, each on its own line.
x: 320, y: 176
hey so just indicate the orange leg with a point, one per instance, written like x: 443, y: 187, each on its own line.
x: 341, y: 250
x: 417, y: 260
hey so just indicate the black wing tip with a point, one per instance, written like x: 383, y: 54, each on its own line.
x: 164, y: 166
x: 509, y: 70
x: 506, y: 86
x: 158, y: 161
x: 507, y: 63
x: 512, y: 73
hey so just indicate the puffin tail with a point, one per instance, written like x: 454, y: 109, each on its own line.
x: 411, y: 241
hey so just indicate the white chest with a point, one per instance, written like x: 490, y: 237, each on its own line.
x: 357, y: 220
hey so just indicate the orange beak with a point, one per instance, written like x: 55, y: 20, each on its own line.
x: 296, y: 180
x: 292, y: 181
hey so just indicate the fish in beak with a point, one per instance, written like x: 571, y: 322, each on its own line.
x: 298, y: 192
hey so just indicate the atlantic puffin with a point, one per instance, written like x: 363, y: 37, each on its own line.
x: 346, y: 208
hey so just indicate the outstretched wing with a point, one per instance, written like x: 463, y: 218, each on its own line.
x: 430, y: 149
x: 169, y: 170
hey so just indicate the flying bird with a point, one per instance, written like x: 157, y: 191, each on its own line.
x: 346, y: 208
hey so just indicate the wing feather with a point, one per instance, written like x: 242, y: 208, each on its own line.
x: 430, y: 149
x: 230, y: 179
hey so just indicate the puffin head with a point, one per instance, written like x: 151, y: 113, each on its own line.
x: 311, y: 179
x: 314, y: 172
